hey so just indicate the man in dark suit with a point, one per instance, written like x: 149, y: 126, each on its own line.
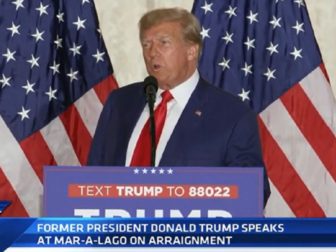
x: 204, y: 126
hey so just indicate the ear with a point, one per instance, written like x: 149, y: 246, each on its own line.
x: 192, y: 51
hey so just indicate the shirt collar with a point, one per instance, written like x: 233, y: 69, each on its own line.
x: 182, y: 92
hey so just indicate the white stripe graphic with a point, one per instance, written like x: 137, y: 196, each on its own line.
x: 59, y: 143
x: 19, y: 172
x: 89, y: 107
x: 319, y: 92
x: 302, y: 157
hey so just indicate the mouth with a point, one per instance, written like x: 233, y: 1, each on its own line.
x: 156, y: 67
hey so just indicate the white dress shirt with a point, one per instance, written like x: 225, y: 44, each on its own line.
x: 175, y: 107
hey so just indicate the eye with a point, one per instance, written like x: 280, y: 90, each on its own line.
x: 145, y: 44
x: 165, y: 41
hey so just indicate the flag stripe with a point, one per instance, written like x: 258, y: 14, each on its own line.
x: 286, y: 179
x: 77, y: 132
x: 299, y: 153
x: 89, y: 108
x: 17, y: 168
x: 59, y: 143
x: 308, y: 121
x: 37, y: 152
x: 325, y: 73
x: 7, y: 193
x: 279, y: 201
x: 319, y: 92
x: 104, y: 89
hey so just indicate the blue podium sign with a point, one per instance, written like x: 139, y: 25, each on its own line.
x: 160, y: 192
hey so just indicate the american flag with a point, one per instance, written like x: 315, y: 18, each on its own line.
x: 264, y: 51
x: 55, y: 75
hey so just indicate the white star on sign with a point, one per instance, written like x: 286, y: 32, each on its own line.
x: 225, y: 64
x: 244, y: 95
x: 205, y: 33
x: 80, y: 23
x: 231, y: 11
x: 24, y: 113
x: 38, y: 35
x: 153, y: 171
x: 270, y: 74
x: 5, y: 81
x: 29, y: 87
x: 42, y: 9
x: 98, y: 56
x: 252, y: 17
x: 33, y: 61
x: 228, y: 38
x: 72, y: 75
x: 14, y: 29
x: 207, y: 7
x: 296, y: 53
x: 170, y: 171
x: 9, y: 55
x: 51, y: 93
x: 247, y: 69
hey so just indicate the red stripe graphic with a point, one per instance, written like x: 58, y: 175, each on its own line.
x: 285, y: 178
x: 312, y: 126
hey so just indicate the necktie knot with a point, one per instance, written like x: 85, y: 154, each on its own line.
x: 166, y: 97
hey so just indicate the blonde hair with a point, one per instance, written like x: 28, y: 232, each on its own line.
x: 190, y: 26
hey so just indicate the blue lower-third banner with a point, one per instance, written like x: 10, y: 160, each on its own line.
x: 65, y: 233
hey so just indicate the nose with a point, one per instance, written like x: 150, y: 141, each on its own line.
x: 153, y: 50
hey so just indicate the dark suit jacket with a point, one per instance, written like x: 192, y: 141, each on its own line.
x: 215, y: 129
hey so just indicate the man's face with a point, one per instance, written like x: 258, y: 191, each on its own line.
x: 167, y: 56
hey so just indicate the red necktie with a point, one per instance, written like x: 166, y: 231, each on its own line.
x: 142, y: 151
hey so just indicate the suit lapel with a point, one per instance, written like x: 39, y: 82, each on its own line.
x: 132, y: 110
x: 189, y: 122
